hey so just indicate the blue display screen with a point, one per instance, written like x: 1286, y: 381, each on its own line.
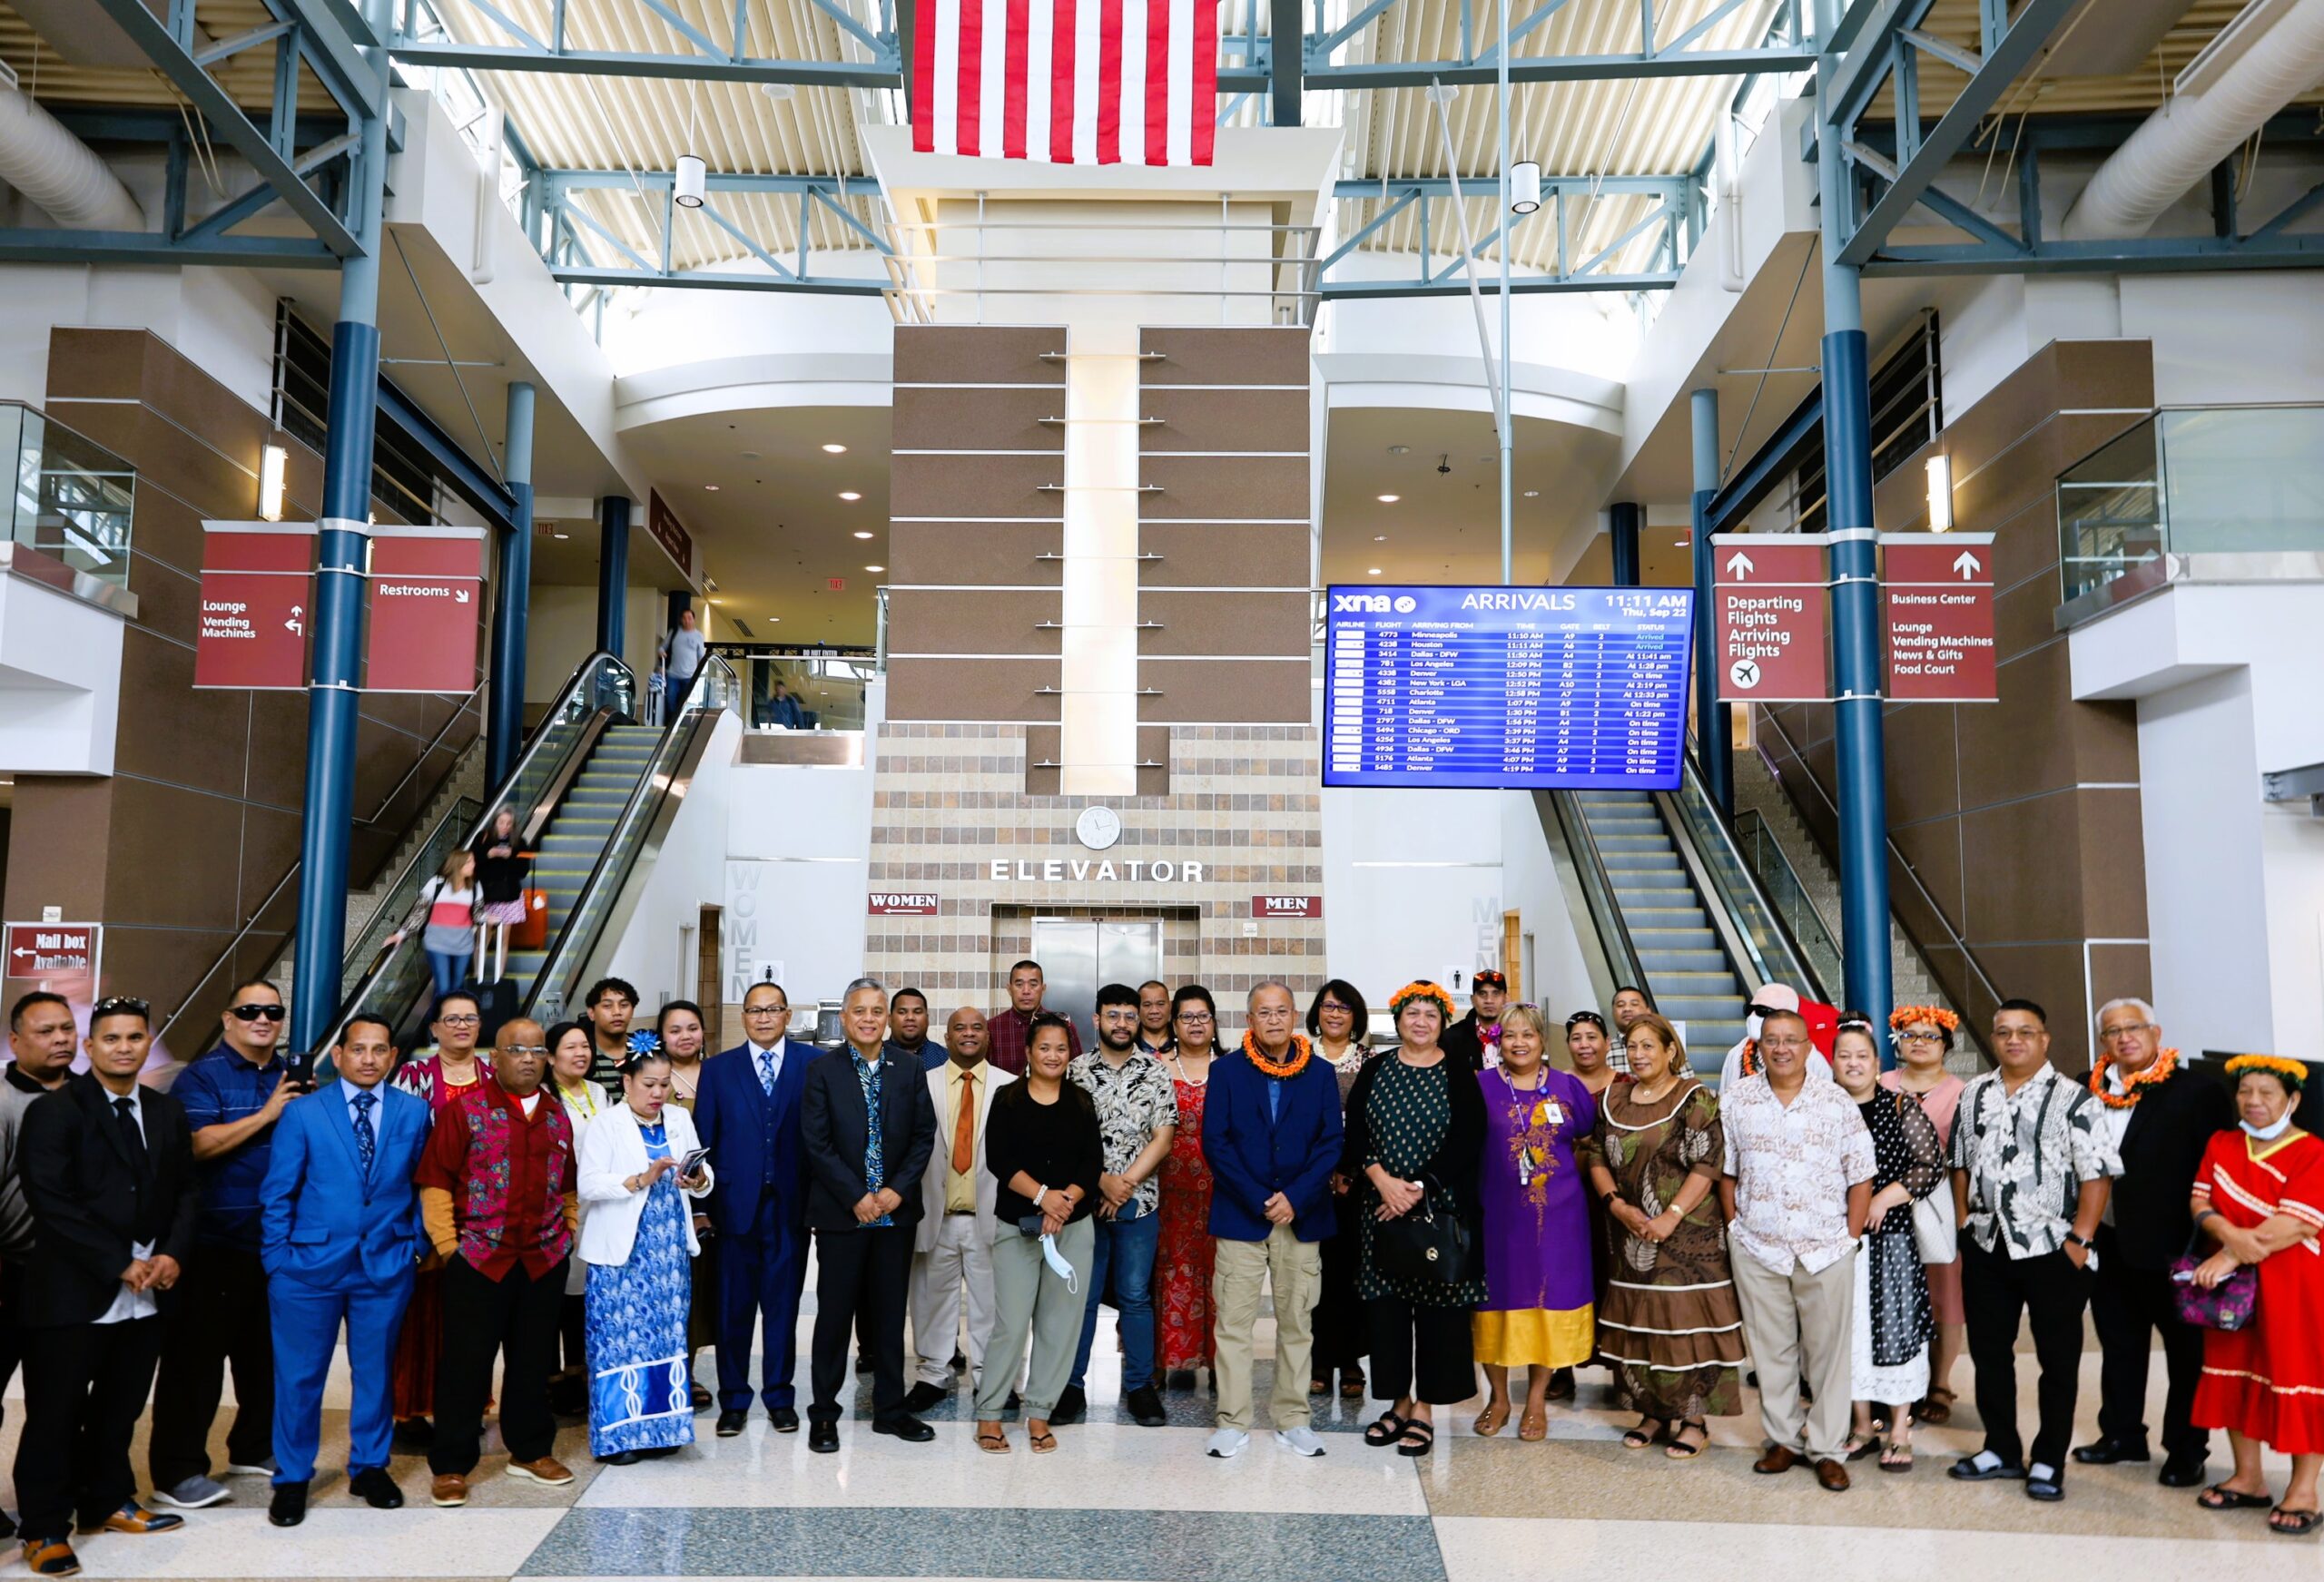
x: 1576, y: 689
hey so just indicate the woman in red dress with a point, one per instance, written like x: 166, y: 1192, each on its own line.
x: 1185, y: 1253
x: 454, y: 1067
x: 2260, y: 1196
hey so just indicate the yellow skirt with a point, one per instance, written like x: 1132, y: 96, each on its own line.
x: 1534, y: 1337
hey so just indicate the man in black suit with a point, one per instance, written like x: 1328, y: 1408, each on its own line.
x: 108, y: 1174
x: 862, y: 1203
x: 2163, y: 1115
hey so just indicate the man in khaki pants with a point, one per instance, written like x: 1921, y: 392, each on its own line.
x: 1271, y: 1133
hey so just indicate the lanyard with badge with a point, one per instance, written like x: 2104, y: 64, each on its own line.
x: 1544, y: 1111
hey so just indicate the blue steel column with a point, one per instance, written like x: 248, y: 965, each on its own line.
x: 1623, y: 532
x: 341, y: 560
x: 613, y: 573
x: 512, y: 602
x: 1714, y: 727
x: 1861, y: 766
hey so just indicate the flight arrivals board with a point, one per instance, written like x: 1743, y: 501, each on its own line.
x: 1573, y: 689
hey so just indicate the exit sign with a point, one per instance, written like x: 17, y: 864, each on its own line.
x: 837, y: 584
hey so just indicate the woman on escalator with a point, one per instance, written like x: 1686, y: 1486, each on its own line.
x: 501, y: 863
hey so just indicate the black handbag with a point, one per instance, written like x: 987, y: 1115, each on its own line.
x: 1425, y: 1244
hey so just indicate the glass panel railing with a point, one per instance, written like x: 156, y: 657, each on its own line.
x: 1742, y: 912
x: 68, y: 497
x: 1598, y: 889
x: 2197, y: 480
x: 1784, y: 891
x: 716, y: 688
x: 803, y: 690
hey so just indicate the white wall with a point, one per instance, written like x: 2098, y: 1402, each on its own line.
x: 654, y: 952
x: 59, y: 681
x: 561, y: 629
x: 221, y: 319
x: 797, y: 869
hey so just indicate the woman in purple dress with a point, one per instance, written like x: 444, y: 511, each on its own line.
x: 1537, y: 1312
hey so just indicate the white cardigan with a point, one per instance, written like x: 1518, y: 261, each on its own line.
x: 612, y: 1151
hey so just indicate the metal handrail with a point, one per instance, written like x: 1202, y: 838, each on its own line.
x: 1755, y: 835
x: 1952, y: 938
x: 1598, y: 888
x: 251, y: 924
x: 1688, y: 832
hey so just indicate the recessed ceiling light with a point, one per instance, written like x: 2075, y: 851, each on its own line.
x: 1399, y: 450
x: 1379, y: 539
x: 1532, y: 494
x: 863, y: 534
x: 849, y: 494
x: 711, y: 488
x: 562, y: 534
x: 1372, y: 570
x: 774, y: 617
x: 1389, y: 499
x: 875, y: 568
x: 836, y: 449
x: 750, y: 455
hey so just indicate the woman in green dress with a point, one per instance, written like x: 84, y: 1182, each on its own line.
x: 1415, y: 1130
x: 1670, y: 1323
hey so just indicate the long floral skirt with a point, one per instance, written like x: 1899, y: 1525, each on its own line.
x: 639, y: 1364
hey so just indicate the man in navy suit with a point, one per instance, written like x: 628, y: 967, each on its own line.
x: 746, y: 1113
x: 341, y: 1235
x: 868, y: 1124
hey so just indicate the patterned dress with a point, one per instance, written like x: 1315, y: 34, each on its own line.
x: 2266, y: 1380
x: 1939, y: 1103
x: 1892, y: 1320
x: 1538, y: 1303
x: 1670, y: 1324
x: 640, y: 1369
x: 420, y: 1342
x: 1409, y: 1114
x: 1186, y: 1254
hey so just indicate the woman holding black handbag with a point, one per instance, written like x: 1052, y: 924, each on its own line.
x: 1415, y: 1135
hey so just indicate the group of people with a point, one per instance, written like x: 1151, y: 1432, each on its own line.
x: 590, y: 1205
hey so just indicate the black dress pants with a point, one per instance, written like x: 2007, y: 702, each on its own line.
x: 2127, y: 1307
x: 1432, y: 1342
x: 221, y: 1319
x: 2049, y: 1291
x: 513, y: 1318
x: 85, y: 1385
x: 11, y: 1339
x: 862, y: 1278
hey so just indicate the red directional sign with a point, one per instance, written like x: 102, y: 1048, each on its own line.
x: 258, y: 586
x: 39, y: 950
x: 1769, y: 604
x: 897, y: 903
x: 427, y: 588
x: 1940, y: 597
x: 1286, y: 906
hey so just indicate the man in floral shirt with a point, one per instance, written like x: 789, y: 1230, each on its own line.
x: 2033, y: 1161
x: 1137, y: 1114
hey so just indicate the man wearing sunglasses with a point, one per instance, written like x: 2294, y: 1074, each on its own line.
x: 233, y: 1097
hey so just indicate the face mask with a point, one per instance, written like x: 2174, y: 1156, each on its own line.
x: 2269, y: 1134
x: 1058, y: 1264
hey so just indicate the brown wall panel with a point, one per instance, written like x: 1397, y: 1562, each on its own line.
x: 1225, y: 487
x: 1198, y: 624
x: 1254, y: 691
x: 186, y: 466
x: 956, y: 553
x: 974, y: 486
x: 977, y: 354
x: 169, y: 731
x: 972, y: 621
x: 957, y: 419
x: 1921, y: 753
x: 192, y: 837
x: 1226, y: 356
x: 972, y: 689
x: 1224, y: 420
x: 1244, y: 555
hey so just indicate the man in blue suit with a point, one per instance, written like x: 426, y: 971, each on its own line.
x: 746, y: 1113
x: 341, y: 1235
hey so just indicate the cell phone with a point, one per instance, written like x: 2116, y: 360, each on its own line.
x: 302, y: 1072
x: 692, y: 1162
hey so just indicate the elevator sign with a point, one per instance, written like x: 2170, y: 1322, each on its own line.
x: 1769, y: 605
x: 1940, y: 608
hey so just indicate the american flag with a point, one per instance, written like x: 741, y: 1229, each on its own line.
x: 1067, y: 81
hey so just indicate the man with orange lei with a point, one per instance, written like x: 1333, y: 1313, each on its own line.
x: 2161, y: 1115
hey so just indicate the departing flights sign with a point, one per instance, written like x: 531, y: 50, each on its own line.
x: 1537, y: 688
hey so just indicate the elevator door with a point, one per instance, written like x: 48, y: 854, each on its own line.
x: 1080, y: 955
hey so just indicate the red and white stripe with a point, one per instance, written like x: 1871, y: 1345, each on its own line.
x: 1067, y: 81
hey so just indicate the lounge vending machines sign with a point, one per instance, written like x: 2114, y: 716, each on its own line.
x: 258, y: 589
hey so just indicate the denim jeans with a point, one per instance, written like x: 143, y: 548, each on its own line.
x: 1126, y: 1252
x: 448, y: 967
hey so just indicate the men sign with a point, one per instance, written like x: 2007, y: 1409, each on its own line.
x: 1940, y: 598
x: 1769, y: 610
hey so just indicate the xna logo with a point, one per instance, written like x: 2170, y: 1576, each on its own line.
x: 1360, y: 604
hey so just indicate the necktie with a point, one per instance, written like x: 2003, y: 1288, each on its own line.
x: 126, y: 1110
x: 964, y: 1131
x: 367, y: 1142
x: 766, y: 1071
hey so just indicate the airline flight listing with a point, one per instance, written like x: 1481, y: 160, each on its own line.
x: 1578, y: 689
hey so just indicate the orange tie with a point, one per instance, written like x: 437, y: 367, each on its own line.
x: 964, y: 1131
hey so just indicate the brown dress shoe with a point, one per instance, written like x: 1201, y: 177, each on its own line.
x: 549, y: 1469
x: 1778, y: 1458
x: 1832, y: 1475
x: 51, y: 1557
x: 449, y: 1489
x: 134, y: 1518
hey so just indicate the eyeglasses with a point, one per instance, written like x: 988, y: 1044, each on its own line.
x: 1193, y: 1016
x: 2127, y: 1030
x: 766, y: 1010
x: 1915, y: 1036
x: 121, y: 1004
x: 259, y: 1013
x: 525, y: 1049
x: 460, y: 1019
x: 1272, y: 1014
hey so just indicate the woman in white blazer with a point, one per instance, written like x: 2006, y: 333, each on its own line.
x: 637, y: 1239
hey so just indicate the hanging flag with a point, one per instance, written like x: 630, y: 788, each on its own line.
x: 1067, y: 81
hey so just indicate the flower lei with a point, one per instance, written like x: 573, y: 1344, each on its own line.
x: 1420, y: 988
x: 1291, y: 1065
x: 2293, y: 1073
x: 2133, y: 1086
x: 1904, y: 1016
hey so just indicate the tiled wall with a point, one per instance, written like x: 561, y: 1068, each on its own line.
x: 2019, y: 819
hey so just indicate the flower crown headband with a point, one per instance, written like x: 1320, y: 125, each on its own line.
x: 1906, y: 1015
x: 1420, y: 988
x: 2293, y: 1073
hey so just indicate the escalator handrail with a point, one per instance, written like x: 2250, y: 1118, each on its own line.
x: 1781, y: 859
x: 1811, y: 982
x: 654, y: 786
x: 583, y: 686
x: 1598, y: 888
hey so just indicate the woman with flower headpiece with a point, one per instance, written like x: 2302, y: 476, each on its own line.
x: 1923, y: 1038
x: 1416, y: 1135
x: 2258, y: 1199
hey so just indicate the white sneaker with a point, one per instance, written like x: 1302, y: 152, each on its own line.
x: 193, y: 1494
x: 1227, y: 1443
x: 1300, y: 1441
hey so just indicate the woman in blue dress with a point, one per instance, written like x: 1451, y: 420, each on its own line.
x: 637, y: 1238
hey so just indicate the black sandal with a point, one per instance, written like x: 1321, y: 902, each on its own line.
x: 1406, y: 1445
x: 1640, y: 1437
x: 2293, y: 1524
x: 2219, y: 1497
x: 1352, y: 1383
x: 1384, y: 1431
x: 1678, y: 1449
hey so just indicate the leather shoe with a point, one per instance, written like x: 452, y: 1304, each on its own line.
x: 1779, y: 1459
x: 548, y: 1470
x: 907, y: 1428
x: 786, y: 1419
x: 2110, y: 1450
x: 730, y: 1423
x: 822, y: 1438
x: 134, y: 1518
x: 376, y: 1488
x: 1833, y: 1475
x: 449, y: 1489
x: 923, y: 1397
x: 1146, y: 1407
x: 620, y: 1459
x: 2182, y: 1473
x: 53, y: 1557
x: 1072, y: 1405
x: 288, y: 1507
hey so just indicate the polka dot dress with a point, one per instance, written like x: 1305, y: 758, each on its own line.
x: 1410, y: 1110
